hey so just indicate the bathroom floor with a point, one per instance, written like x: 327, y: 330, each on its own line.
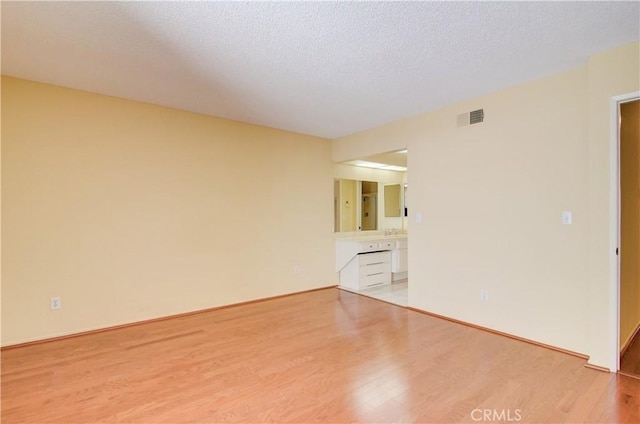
x: 395, y: 293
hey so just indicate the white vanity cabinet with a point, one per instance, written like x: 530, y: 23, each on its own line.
x: 368, y: 262
x: 367, y: 270
x: 399, y: 257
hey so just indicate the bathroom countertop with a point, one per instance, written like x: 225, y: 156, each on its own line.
x: 356, y: 237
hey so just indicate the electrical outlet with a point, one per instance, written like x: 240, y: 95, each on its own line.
x: 55, y: 303
x: 484, y: 295
x: 297, y: 270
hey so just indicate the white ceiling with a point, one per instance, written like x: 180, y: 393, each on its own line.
x: 321, y: 68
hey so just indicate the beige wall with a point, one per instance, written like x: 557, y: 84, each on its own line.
x: 130, y: 211
x: 492, y: 196
x: 629, y: 220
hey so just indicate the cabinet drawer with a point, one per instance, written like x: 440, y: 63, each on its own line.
x: 375, y: 280
x: 374, y: 258
x: 368, y: 246
x: 387, y: 245
x: 375, y: 268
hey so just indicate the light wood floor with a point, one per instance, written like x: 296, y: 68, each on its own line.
x: 630, y: 361
x: 325, y: 356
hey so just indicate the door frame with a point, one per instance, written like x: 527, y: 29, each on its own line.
x: 614, y: 225
x: 363, y: 198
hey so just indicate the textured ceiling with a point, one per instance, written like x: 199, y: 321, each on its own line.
x: 321, y: 68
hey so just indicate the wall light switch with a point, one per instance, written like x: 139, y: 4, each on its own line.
x: 567, y: 218
x: 484, y: 295
x: 418, y: 217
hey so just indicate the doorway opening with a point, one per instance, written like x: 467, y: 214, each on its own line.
x: 374, y: 210
x: 625, y: 233
x: 629, y: 254
x: 369, y: 209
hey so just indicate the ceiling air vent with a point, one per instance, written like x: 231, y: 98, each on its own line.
x: 476, y: 116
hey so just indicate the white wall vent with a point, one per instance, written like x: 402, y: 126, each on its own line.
x: 476, y: 116
x: 470, y: 118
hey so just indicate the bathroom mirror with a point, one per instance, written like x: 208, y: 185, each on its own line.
x: 355, y: 205
x: 362, y: 200
x: 392, y: 202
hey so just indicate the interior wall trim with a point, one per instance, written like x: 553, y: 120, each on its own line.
x: 596, y: 367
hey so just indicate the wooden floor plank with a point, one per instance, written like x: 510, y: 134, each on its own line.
x: 630, y: 361
x: 324, y: 356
